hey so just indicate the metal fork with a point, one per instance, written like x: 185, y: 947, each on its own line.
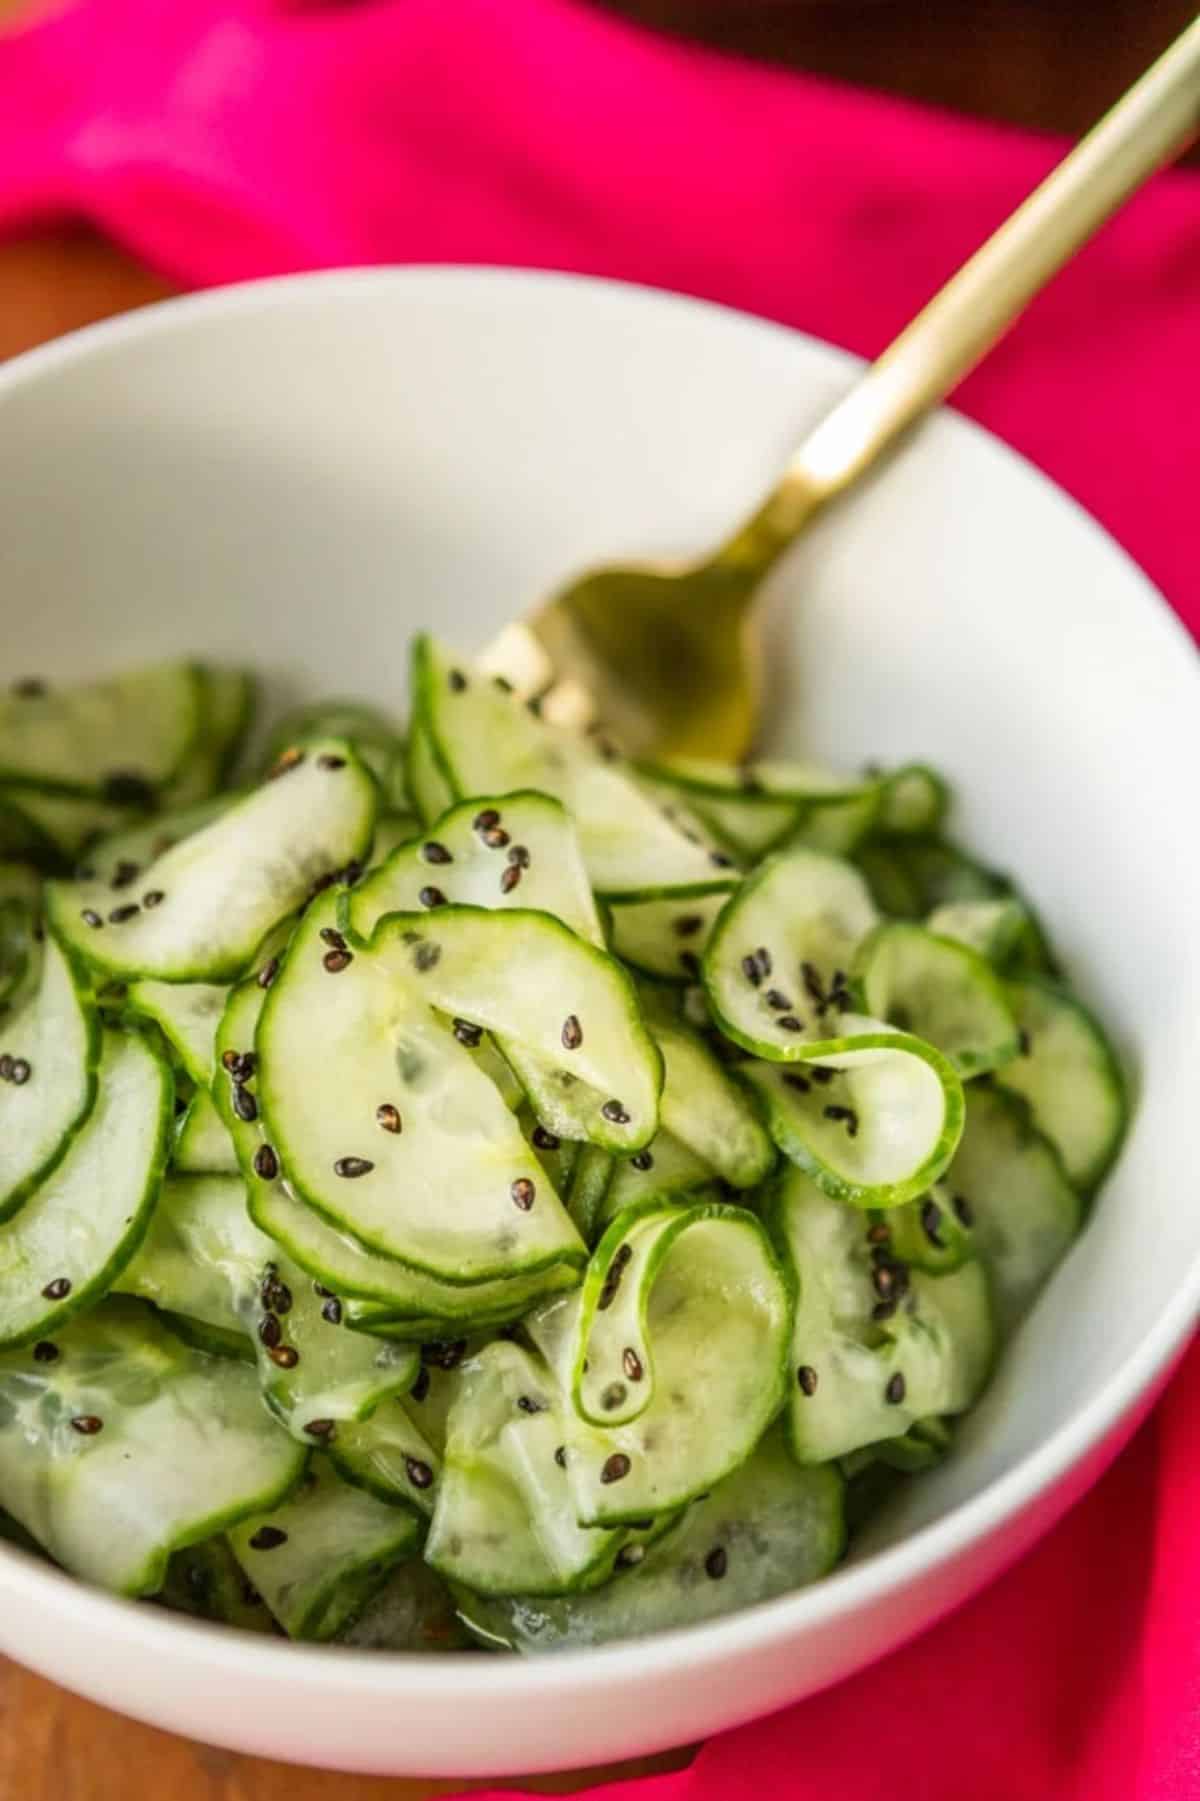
x: 665, y: 653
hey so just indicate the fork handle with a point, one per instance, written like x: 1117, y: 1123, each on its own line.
x: 1150, y: 126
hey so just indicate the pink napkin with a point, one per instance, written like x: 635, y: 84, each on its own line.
x: 222, y: 139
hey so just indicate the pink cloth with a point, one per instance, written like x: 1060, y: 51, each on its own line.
x: 222, y: 139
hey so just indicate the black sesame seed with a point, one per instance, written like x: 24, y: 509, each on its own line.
x: 821, y: 1073
x: 268, y: 972
x: 689, y: 963
x: 22, y: 1069
x: 751, y: 971
x: 502, y: 682
x: 58, y: 1290
x: 545, y: 1141
x: 879, y: 1234
x: 632, y: 1364
x: 125, y: 873
x: 613, y: 1396
x: 895, y: 1390
x: 88, y: 1424
x: 778, y: 1000
x: 444, y: 1353
x: 468, y: 1034
x: 230, y: 1060
x: 322, y: 1429
x: 266, y: 1163
x: 687, y: 925
x: 535, y: 705
x: 324, y: 1293
x: 806, y: 1376
x: 431, y: 897
x: 613, y: 1110
x: 433, y: 852
x: 528, y: 1404
x: 964, y: 1212
x: 495, y: 837
x: 419, y: 1474
x: 275, y: 1295
x: 560, y: 1456
x: 572, y: 1033
x: 519, y: 856
x: 787, y: 1022
x: 268, y: 1538
x: 333, y: 938
x: 458, y: 681
x: 124, y: 788
x: 420, y: 1387
x: 621, y: 1257
x: 285, y: 1355
x: 45, y: 1352
x: 720, y: 859
x: 884, y: 1309
x: 336, y: 961
x: 643, y: 1160
x: 846, y: 1115
x: 883, y: 1281
x: 30, y: 687
x: 6, y: 1067
x: 931, y: 1221
x: 813, y: 985
x: 795, y: 1080
x: 522, y: 1192
x: 331, y: 1311
x: 329, y: 761
x: 388, y: 1117
x: 716, y: 1563
x: 629, y: 1556
x: 425, y: 957
x: 350, y: 1167
x: 510, y: 878
x: 483, y: 822
x: 91, y: 918
x: 244, y: 1103
x: 269, y: 1331
x: 615, y: 1467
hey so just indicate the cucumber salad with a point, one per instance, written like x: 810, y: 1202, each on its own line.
x: 461, y: 1188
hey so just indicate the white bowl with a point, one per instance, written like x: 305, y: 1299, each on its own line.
x: 302, y: 472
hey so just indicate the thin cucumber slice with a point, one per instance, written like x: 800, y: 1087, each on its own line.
x: 994, y: 928
x: 664, y: 938
x: 574, y: 1037
x: 557, y: 1156
x: 130, y: 1445
x: 100, y: 738
x: 933, y: 1233
x: 188, y: 1014
x: 217, y: 1341
x: 484, y: 738
x: 940, y: 989
x: 1008, y: 1181
x: 873, y: 1116
x: 777, y: 961
x: 59, y: 826
x: 226, y: 706
x: 497, y: 851
x: 413, y: 1611
x: 222, y: 889
x: 673, y: 1354
x: 665, y: 1172
x: 120, y: 859
x: 765, y: 1530
x: 707, y: 1111
x: 909, y: 877
x: 914, y: 801
x: 875, y: 1346
x: 1069, y: 1074
x: 72, y: 1238
x: 20, y: 913
x: 591, y: 1180
x: 389, y: 1456
x: 49, y: 1049
x: 337, y: 1050
x: 204, y: 1580
x: 374, y: 738
x: 505, y: 1518
x: 425, y: 783
x: 392, y: 829
x: 318, y: 1557
x: 203, y: 1146
x: 202, y: 1258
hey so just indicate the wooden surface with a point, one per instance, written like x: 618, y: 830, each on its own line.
x: 1047, y: 63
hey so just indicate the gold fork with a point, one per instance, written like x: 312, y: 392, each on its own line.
x: 665, y: 653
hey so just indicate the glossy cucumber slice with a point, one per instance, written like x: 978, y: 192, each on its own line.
x: 187, y: 1014
x: 374, y: 737
x: 222, y: 889
x: 203, y: 1146
x: 876, y: 1346
x: 591, y: 1181
x: 873, y: 1116
x: 484, y: 738
x: 319, y: 1556
x: 413, y: 1611
x: 994, y: 928
x: 672, y: 1355
x: 205, y: 1581
x: 664, y: 938
x: 1008, y: 1181
x: 940, y: 989
x: 666, y: 1171
x: 118, y: 860
x: 101, y: 738
x: 933, y: 1233
x: 49, y: 1049
x: 389, y: 1455
x: 1069, y: 1074
x: 775, y: 970
x: 706, y: 1110
x: 226, y: 700
x: 77, y: 1231
x: 361, y: 1041
x: 766, y: 1529
x: 130, y: 1444
x: 392, y: 829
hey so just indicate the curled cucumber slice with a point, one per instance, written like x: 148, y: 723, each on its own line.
x: 940, y: 989
x: 1069, y: 1074
x: 114, y: 739
x: 49, y: 1049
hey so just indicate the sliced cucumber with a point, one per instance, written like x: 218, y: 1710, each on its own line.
x: 505, y: 850
x: 57, y: 827
x: 933, y: 1233
x: 425, y: 782
x: 483, y: 738
x: 673, y: 1356
x: 875, y: 1345
x: 130, y: 1445
x: 1069, y: 1075
x: 203, y: 1146
x: 318, y: 1557
x: 226, y: 707
x: 72, y: 1238
x: 914, y: 801
x: 413, y: 1611
x: 49, y: 1049
x: 364, y: 1040
x: 664, y: 938
x: 940, y: 989
x: 388, y: 1455
x: 222, y: 889
x: 768, y: 1528
x: 392, y: 829
x: 188, y: 1014
x: 707, y: 1111
x: 204, y: 1580
x: 102, y: 738
x: 873, y: 1116
x: 666, y: 1171
x: 505, y: 1518
x: 203, y: 1257
x: 1007, y: 1180
x: 591, y: 1181
x: 776, y: 965
x: 994, y: 928
x: 20, y: 915
x: 374, y: 738
x: 120, y: 859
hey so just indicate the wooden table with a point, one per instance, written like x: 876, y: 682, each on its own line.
x: 1010, y: 59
